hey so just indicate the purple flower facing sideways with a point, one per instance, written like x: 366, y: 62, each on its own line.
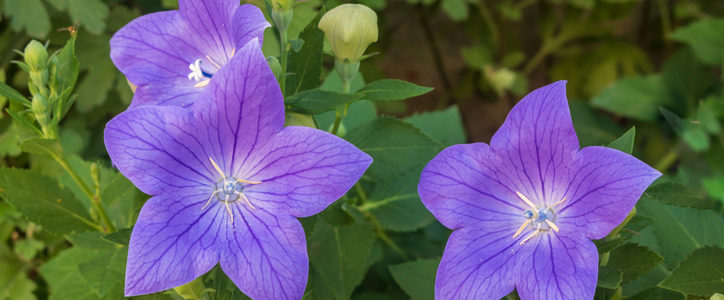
x: 172, y: 55
x: 525, y: 208
x: 228, y: 182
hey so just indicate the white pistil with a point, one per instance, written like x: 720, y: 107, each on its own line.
x: 537, y: 217
x: 196, y: 73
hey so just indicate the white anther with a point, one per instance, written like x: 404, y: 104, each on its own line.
x: 196, y: 73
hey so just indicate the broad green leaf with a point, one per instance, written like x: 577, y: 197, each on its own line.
x: 392, y: 89
x: 14, y: 281
x: 335, y: 215
x: 46, y: 147
x: 64, y: 277
x: 91, y: 14
x: 680, y: 230
x: 705, y: 38
x: 634, y: 97
x: 13, y: 95
x: 317, y: 101
x: 443, y: 126
x: 592, y: 126
x: 609, y: 277
x: 28, y: 248
x: 340, y: 254
x: 676, y: 194
x: 359, y: 112
x: 701, y: 273
x: 625, y: 143
x: 304, y: 68
x: 401, y: 149
x: 100, y: 74
x: 41, y: 200
x: 121, y: 197
x: 396, y: 204
x: 633, y: 260
x: 416, y: 278
x: 29, y: 15
x: 105, y: 267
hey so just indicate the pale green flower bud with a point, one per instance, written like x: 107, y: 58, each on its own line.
x: 349, y: 28
x: 281, y: 13
x: 36, y: 56
x: 39, y: 107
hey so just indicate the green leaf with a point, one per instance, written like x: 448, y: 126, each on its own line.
x: 91, y: 14
x: 443, y: 126
x: 701, y: 273
x: 705, y: 38
x: 30, y: 15
x: 120, y: 196
x: 41, y: 200
x: 359, y: 112
x: 104, y: 270
x: 304, y: 67
x: 392, y: 89
x: 396, y: 204
x: 609, y: 277
x: 340, y: 254
x: 625, y: 143
x: 456, y: 9
x: 64, y: 70
x: 121, y: 237
x: 416, y: 278
x: 401, y: 149
x: 634, y: 97
x: 46, y: 147
x: 64, y: 276
x: 14, y: 281
x: 676, y: 194
x: 335, y: 215
x: 633, y: 260
x: 680, y: 230
x: 317, y: 101
x: 13, y: 95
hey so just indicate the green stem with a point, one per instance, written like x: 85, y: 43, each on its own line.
x: 95, y: 199
x: 346, y: 88
x: 384, y: 237
x: 668, y: 160
x: 490, y: 22
x: 665, y: 22
x: 360, y: 192
x: 284, y: 40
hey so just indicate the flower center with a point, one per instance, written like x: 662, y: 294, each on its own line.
x: 229, y: 190
x: 539, y: 219
x: 202, y: 77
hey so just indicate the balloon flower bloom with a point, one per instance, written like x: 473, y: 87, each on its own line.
x: 171, y: 56
x: 525, y: 208
x: 228, y: 182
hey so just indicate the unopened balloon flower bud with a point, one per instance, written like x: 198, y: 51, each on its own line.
x: 36, y: 56
x: 281, y: 13
x: 349, y: 28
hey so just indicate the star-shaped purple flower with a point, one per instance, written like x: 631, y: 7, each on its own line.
x: 228, y: 182
x: 172, y: 55
x: 525, y: 209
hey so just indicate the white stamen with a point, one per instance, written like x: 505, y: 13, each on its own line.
x: 207, y: 202
x: 552, y: 225
x: 525, y: 224
x: 196, y: 73
x: 247, y: 200
x: 217, y: 168
x: 213, y: 62
x: 247, y: 181
x: 229, y: 209
x: 559, y: 202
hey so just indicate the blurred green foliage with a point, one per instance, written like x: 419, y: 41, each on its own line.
x: 655, y: 65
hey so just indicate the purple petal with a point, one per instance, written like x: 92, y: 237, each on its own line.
x: 478, y: 263
x: 155, y: 50
x: 266, y: 255
x: 557, y: 266
x: 462, y: 186
x: 173, y: 242
x: 154, y: 148
x: 303, y: 170
x: 604, y: 186
x: 210, y: 26
x: 248, y: 23
x: 537, y: 142
x: 240, y: 110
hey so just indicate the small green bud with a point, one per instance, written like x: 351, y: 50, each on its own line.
x: 275, y: 66
x: 281, y: 13
x: 349, y: 28
x: 39, y: 107
x: 36, y: 56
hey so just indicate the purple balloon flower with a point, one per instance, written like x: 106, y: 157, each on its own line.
x: 172, y: 55
x: 525, y: 209
x: 228, y: 182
